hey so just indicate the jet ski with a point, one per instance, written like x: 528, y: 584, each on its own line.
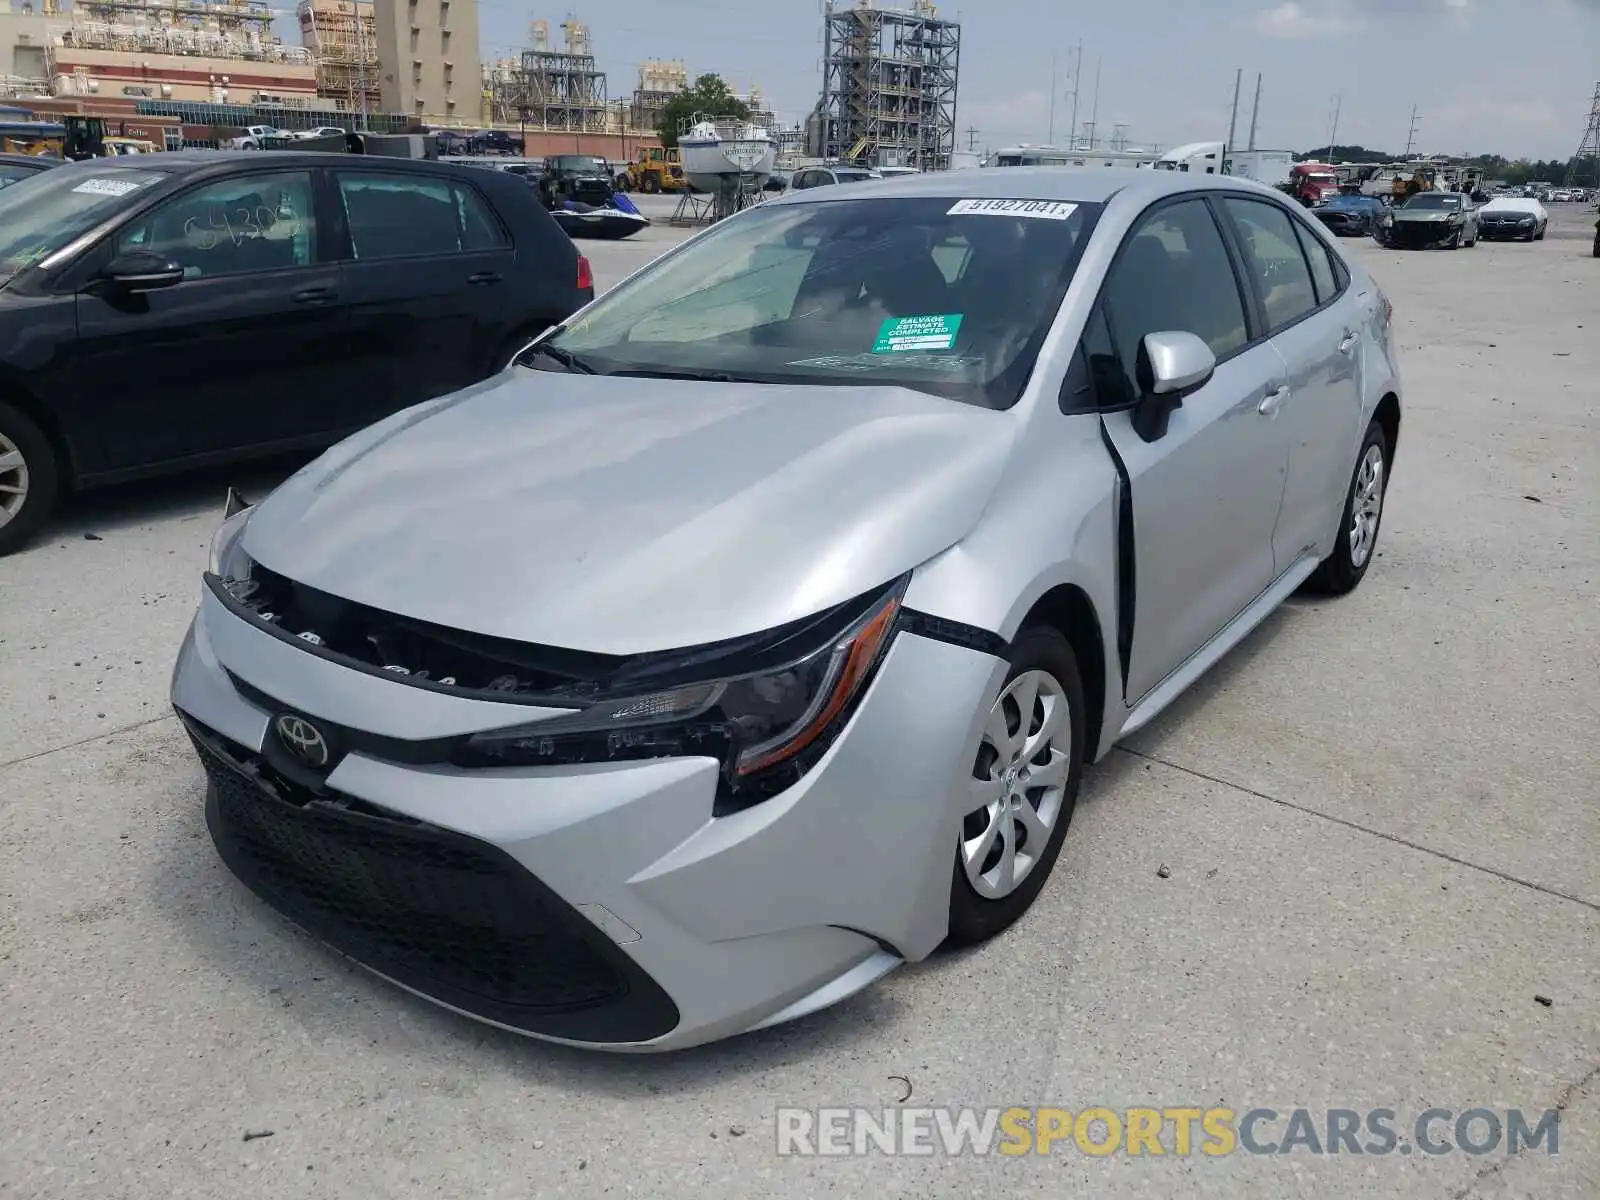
x: 612, y: 222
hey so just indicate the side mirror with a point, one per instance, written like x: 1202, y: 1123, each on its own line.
x: 1171, y: 366
x: 142, y: 271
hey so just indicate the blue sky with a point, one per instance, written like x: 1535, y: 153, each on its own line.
x: 1512, y: 77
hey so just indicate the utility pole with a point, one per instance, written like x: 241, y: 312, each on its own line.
x: 972, y: 138
x: 1094, y: 113
x: 1077, y: 76
x: 1255, y: 113
x: 1051, y: 139
x: 1333, y: 135
x: 1411, y: 138
x: 1233, y: 121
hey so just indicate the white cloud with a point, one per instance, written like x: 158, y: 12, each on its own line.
x: 1290, y: 21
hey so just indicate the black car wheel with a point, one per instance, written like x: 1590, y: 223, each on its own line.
x: 1359, y: 520
x: 29, y: 478
x: 1024, y: 787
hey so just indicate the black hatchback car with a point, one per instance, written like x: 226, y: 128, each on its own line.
x: 185, y: 308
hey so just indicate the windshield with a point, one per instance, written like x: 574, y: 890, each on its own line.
x: 1433, y: 201
x: 1352, y: 202
x: 38, y: 216
x: 945, y: 295
x: 578, y: 162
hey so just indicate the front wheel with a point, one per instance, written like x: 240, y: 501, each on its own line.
x: 29, y: 478
x: 1023, y: 788
x: 1345, y: 568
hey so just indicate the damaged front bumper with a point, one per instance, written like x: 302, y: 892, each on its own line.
x: 1423, y: 235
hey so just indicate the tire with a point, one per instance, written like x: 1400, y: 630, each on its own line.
x: 1042, y: 656
x: 1343, y: 570
x: 651, y: 184
x: 33, y: 468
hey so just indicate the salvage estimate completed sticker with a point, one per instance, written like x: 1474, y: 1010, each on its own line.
x: 1042, y: 210
x: 899, y: 335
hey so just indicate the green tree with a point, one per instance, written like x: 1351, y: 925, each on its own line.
x: 709, y: 96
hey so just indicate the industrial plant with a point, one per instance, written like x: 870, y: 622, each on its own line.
x: 888, y: 86
x: 181, y: 70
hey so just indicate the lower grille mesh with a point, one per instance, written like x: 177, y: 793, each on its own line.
x: 441, y: 912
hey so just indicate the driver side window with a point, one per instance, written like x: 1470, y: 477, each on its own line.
x: 1172, y: 275
x: 232, y: 227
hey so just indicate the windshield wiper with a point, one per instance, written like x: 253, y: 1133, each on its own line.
x: 682, y: 373
x: 566, y: 358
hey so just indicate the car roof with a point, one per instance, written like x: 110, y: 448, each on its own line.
x: 188, y: 162
x: 1083, y: 185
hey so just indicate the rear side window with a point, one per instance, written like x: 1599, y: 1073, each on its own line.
x: 1321, y: 260
x: 406, y: 216
x: 1273, y: 256
x: 480, y: 228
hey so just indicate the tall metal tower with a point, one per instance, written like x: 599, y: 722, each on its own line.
x: 889, y: 85
x: 1584, y: 169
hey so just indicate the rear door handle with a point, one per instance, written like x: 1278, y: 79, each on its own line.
x: 312, y: 295
x: 484, y: 277
x: 1349, y: 343
x: 1272, y: 402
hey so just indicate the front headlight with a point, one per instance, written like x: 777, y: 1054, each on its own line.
x: 767, y: 725
x: 227, y: 559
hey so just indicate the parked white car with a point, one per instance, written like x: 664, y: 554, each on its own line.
x: 254, y: 135
x: 321, y: 131
x: 1513, y: 217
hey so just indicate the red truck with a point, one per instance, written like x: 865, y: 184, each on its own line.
x: 1312, y: 183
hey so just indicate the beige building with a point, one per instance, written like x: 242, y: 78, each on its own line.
x: 24, y: 35
x: 429, y: 55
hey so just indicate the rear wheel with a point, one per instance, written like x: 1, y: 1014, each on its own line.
x: 29, y: 478
x: 651, y: 184
x: 1353, y: 552
x: 1023, y: 788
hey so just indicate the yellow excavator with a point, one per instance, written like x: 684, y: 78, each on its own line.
x: 656, y: 170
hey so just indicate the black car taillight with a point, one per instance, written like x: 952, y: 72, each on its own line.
x: 585, y: 275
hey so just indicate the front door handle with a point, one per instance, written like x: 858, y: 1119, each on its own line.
x: 484, y: 277
x: 1272, y: 402
x: 312, y: 295
x: 1349, y: 343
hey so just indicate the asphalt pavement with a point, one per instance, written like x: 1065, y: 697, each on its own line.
x: 1358, y: 866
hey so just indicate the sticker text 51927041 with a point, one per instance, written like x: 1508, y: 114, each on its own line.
x: 1039, y: 210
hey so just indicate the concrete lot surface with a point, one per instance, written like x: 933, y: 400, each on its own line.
x: 1380, y: 820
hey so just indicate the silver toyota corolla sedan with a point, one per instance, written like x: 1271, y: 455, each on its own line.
x: 748, y: 635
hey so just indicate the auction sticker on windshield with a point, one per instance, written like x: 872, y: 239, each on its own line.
x: 898, y: 335
x: 109, y: 187
x: 1041, y: 210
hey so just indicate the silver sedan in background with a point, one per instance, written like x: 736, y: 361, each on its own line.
x: 748, y: 636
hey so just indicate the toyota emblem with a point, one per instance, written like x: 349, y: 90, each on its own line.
x: 304, y: 740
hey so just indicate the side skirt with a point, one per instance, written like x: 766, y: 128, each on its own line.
x: 1203, y: 659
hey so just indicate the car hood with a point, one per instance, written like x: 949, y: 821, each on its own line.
x: 629, y: 515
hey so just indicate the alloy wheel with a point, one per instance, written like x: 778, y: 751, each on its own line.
x: 1018, y: 784
x: 1366, y: 506
x: 13, y: 480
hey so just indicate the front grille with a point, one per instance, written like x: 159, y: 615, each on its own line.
x: 1421, y: 235
x: 452, y: 917
x: 411, y: 649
